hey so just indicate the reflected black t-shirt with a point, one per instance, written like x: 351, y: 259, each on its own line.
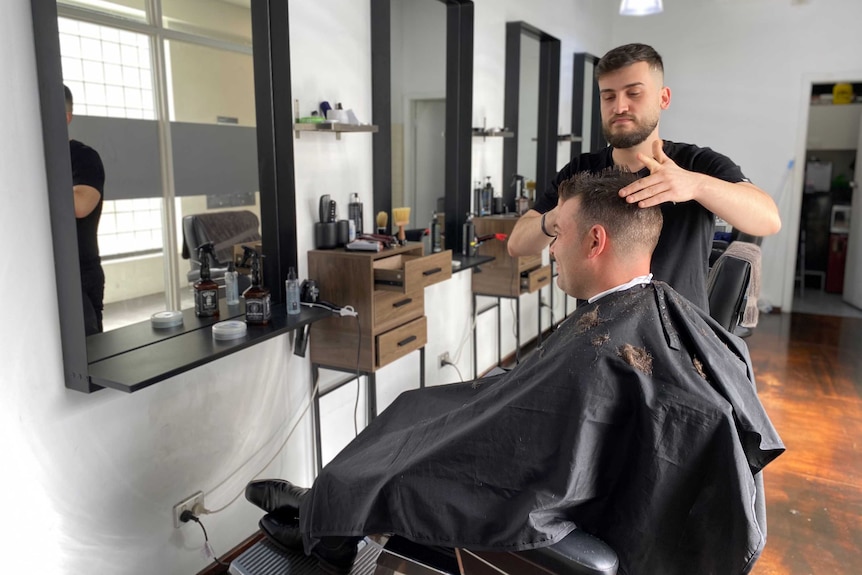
x: 87, y: 169
x: 681, y: 257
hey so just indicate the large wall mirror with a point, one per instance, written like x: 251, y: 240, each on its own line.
x: 170, y: 93
x: 422, y: 68
x: 532, y: 95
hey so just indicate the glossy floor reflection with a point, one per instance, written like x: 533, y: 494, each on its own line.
x: 809, y: 373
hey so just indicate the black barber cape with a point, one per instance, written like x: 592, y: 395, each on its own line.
x: 637, y: 421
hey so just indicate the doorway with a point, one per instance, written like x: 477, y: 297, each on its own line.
x: 833, y: 146
x: 426, y: 169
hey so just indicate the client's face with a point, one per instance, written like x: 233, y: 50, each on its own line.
x: 569, y: 249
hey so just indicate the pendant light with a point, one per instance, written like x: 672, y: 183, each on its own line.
x: 640, y: 7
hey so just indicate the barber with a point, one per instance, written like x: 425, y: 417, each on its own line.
x: 691, y: 184
x: 88, y: 183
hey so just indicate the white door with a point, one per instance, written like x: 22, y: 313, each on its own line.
x: 853, y: 267
x: 429, y: 124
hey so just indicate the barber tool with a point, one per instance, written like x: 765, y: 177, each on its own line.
x: 324, y: 208
x: 401, y: 218
x: 382, y: 221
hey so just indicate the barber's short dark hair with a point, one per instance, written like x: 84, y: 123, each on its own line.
x: 69, y: 100
x: 630, y: 227
x: 626, y: 55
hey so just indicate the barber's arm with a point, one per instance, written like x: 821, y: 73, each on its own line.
x: 86, y: 200
x: 527, y: 237
x: 743, y: 205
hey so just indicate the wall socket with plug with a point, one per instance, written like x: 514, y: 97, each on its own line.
x: 193, y: 503
x: 443, y: 359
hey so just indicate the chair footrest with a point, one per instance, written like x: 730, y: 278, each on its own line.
x: 579, y: 553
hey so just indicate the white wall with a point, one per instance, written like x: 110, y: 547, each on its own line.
x: 97, y: 475
x: 740, y: 75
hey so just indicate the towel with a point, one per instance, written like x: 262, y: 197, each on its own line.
x: 751, y: 253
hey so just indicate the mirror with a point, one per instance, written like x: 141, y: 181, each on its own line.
x: 422, y: 74
x: 198, y: 109
x: 532, y: 92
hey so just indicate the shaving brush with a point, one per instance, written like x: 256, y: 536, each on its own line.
x: 382, y: 220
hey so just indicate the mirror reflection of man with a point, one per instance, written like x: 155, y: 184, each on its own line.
x: 88, y: 182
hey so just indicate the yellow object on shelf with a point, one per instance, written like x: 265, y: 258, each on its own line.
x: 842, y: 93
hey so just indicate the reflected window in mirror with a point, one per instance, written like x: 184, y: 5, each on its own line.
x: 205, y: 162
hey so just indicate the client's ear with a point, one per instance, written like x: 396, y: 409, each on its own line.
x: 596, y: 240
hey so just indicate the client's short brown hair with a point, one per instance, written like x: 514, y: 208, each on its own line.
x: 628, y: 226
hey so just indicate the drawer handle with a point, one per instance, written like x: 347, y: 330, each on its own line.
x: 541, y: 279
x: 404, y: 342
x: 432, y: 271
x: 402, y: 302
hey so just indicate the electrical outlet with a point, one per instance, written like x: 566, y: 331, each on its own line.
x: 443, y: 359
x: 193, y: 503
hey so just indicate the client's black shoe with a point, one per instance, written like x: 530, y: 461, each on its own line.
x: 281, y: 528
x: 270, y: 494
x: 336, y: 554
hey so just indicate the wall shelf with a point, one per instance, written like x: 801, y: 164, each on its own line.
x: 485, y: 132
x: 165, y: 353
x: 336, y: 128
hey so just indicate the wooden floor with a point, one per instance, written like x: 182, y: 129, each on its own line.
x: 809, y: 376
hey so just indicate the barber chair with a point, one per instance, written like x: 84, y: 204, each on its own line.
x: 224, y: 230
x: 727, y: 291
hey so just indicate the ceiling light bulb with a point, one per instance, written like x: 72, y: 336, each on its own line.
x: 640, y: 7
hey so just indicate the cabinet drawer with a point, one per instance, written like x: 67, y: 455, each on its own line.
x: 392, y: 308
x: 526, y: 263
x: 402, y: 340
x: 536, y: 279
x: 403, y: 273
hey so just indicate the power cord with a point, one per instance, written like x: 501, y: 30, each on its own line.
x: 187, y: 516
x: 343, y: 312
x: 358, y: 349
x: 447, y: 362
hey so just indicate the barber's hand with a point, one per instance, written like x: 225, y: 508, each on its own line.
x: 667, y: 182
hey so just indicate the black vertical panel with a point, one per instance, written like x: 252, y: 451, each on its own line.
x: 578, y: 71
x: 597, y: 138
x: 549, y: 112
x: 459, y: 110
x: 273, y: 98
x: 58, y: 171
x: 512, y: 92
x: 579, y: 90
x: 381, y: 106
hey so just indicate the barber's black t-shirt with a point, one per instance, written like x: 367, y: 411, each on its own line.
x: 87, y: 170
x: 681, y: 257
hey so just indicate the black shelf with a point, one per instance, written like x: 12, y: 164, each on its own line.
x: 174, y: 354
x: 468, y: 262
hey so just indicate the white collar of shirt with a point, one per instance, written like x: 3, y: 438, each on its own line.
x: 640, y: 280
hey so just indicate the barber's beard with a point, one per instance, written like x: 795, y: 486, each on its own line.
x: 631, y: 138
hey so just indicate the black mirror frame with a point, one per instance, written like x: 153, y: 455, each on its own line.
x: 459, y: 109
x: 549, y: 106
x: 597, y: 137
x: 271, y: 53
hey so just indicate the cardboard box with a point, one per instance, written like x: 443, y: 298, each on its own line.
x: 238, y: 253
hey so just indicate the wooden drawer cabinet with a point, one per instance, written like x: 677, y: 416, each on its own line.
x: 505, y: 275
x: 403, y: 272
x: 536, y: 279
x: 387, y: 291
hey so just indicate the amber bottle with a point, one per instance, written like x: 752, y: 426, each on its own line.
x: 206, y: 290
x: 258, y: 304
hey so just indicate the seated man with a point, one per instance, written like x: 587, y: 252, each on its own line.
x: 636, y: 421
